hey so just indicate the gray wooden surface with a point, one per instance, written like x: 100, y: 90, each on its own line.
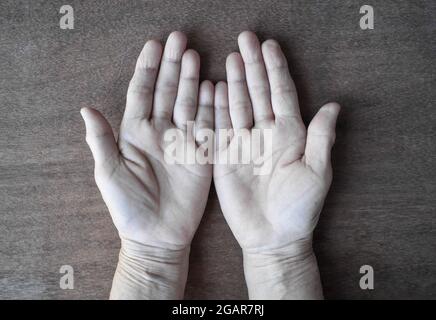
x: 381, y: 207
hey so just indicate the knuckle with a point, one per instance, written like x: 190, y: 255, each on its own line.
x: 204, y: 123
x: 186, y: 103
x: 241, y: 105
x: 136, y: 88
x: 282, y: 89
x: 260, y: 89
x: 166, y: 87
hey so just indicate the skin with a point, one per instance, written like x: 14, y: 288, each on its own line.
x: 156, y: 206
x: 273, y: 215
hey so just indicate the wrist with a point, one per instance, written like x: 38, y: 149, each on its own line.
x: 294, y: 251
x: 290, y: 272
x: 149, y: 272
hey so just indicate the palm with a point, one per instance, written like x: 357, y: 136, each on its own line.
x: 144, y: 188
x: 278, y: 216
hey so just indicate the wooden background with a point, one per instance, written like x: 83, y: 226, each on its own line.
x: 381, y: 207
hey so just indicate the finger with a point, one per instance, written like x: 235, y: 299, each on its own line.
x: 99, y: 136
x: 140, y: 93
x: 185, y: 107
x: 283, y: 93
x: 168, y: 77
x: 257, y: 79
x: 204, y: 118
x: 221, y: 106
x: 223, y: 123
x: 321, y: 137
x: 241, y: 112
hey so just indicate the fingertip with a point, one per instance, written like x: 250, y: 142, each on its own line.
x: 178, y: 37
x: 220, y: 85
x: 233, y: 58
x: 192, y: 53
x: 191, y: 56
x: 150, y: 56
x: 250, y: 47
x: 206, y: 90
x: 208, y: 82
x: 85, y: 112
x: 332, y: 107
x: 331, y: 111
x: 235, y: 67
x: 243, y: 34
x: 272, y: 51
x: 207, y: 85
x: 153, y: 44
x: 221, y: 93
x: 270, y: 43
x: 247, y: 37
x: 175, y: 46
x: 177, y: 34
x: 190, y: 64
x: 83, y: 115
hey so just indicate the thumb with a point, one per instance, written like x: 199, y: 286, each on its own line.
x: 321, y: 137
x: 99, y: 136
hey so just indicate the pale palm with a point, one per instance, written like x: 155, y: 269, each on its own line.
x: 274, y: 210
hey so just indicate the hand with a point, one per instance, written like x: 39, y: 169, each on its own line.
x: 155, y: 206
x: 272, y: 216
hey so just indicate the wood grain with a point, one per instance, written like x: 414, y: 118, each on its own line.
x: 381, y: 207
